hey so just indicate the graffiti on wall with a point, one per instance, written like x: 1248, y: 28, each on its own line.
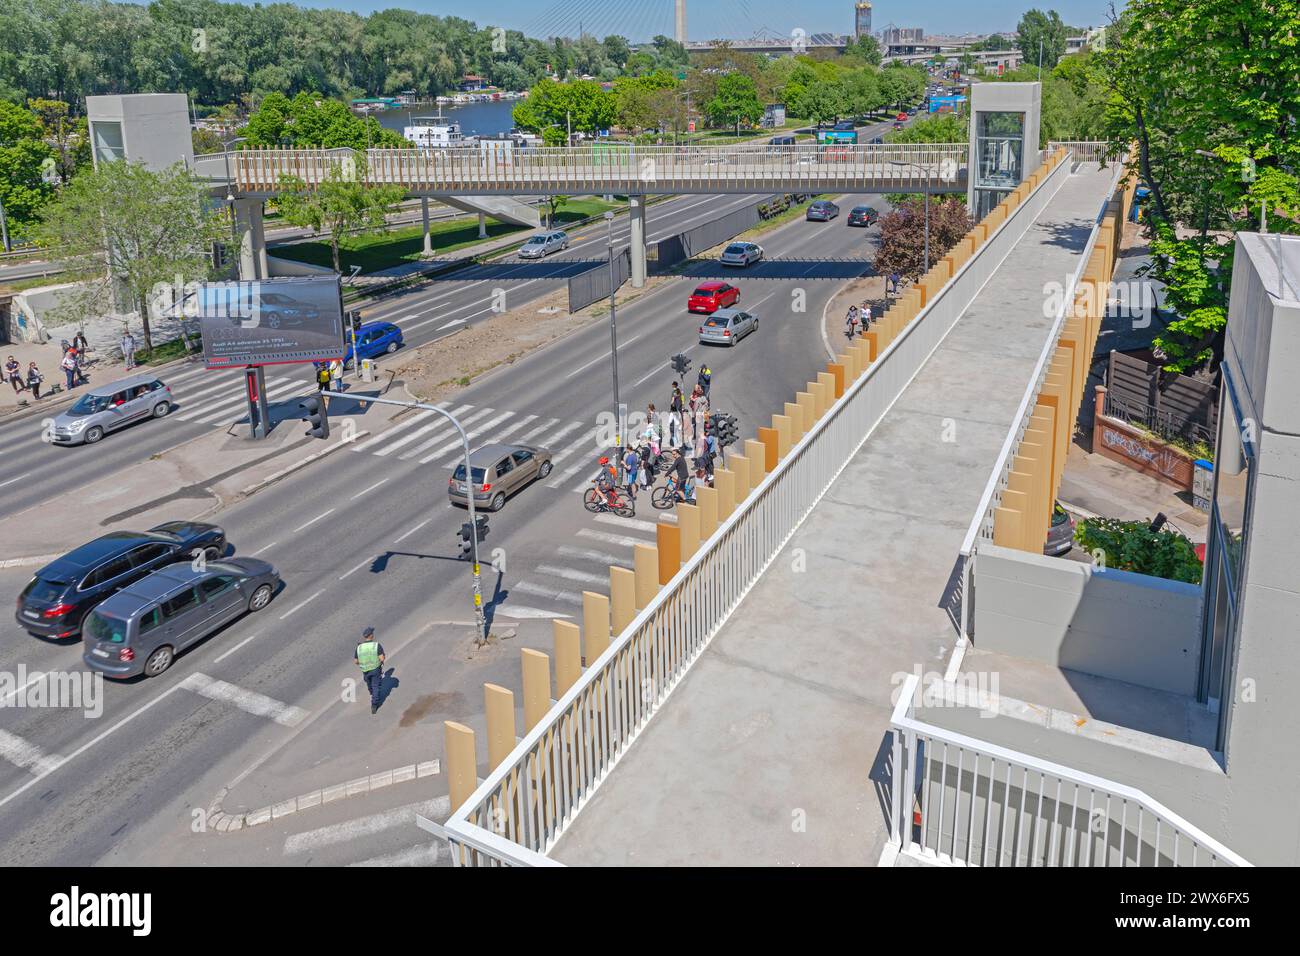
x: 1159, y: 458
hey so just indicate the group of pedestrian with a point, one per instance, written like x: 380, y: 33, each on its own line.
x: 858, y: 315
x: 23, y: 382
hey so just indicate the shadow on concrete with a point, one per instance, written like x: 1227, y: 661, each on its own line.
x: 841, y: 267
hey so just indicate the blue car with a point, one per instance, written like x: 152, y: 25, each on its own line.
x: 374, y: 338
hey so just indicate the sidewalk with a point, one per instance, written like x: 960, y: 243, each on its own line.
x: 1095, y: 485
x: 189, y: 481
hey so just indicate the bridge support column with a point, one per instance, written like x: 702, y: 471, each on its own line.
x: 482, y: 226
x: 424, y: 219
x: 636, y: 215
x: 252, y: 239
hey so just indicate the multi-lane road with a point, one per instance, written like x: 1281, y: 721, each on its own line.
x: 367, y: 537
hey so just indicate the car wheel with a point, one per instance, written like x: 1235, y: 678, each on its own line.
x: 159, y: 661
x: 392, y: 347
x: 544, y: 470
x: 162, y: 409
x: 93, y: 434
x: 261, y: 598
x: 499, y: 501
x: 211, y: 553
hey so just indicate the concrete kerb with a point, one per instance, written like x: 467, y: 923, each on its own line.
x: 300, y: 463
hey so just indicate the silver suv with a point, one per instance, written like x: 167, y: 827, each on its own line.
x: 106, y: 408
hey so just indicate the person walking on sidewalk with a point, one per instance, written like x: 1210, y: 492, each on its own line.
x: 631, y: 467
x: 34, y: 379
x: 128, y: 349
x: 14, y: 371
x: 369, y: 657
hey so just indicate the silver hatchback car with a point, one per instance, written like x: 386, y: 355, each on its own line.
x: 543, y: 245
x: 498, y: 471
x: 106, y: 408
x: 727, y: 327
x: 741, y: 254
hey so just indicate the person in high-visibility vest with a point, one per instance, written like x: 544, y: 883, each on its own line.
x: 370, y: 658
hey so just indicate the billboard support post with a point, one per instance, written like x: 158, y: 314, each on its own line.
x: 479, y: 620
x: 255, y: 393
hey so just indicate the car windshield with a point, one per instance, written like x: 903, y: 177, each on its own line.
x: 460, y: 474
x: 101, y: 627
x: 705, y: 293
x: 735, y: 249
x: 536, y: 241
x: 89, y: 404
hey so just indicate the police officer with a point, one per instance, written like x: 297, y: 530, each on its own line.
x: 705, y: 379
x: 370, y: 658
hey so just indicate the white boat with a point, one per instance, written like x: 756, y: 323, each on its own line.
x: 435, y: 132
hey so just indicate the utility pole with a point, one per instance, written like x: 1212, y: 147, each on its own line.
x: 4, y: 229
x: 1040, y: 59
x: 613, y: 334
x: 927, y: 227
x: 568, y: 121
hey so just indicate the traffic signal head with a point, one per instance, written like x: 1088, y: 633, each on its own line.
x: 467, y: 533
x: 681, y: 363
x: 312, y: 411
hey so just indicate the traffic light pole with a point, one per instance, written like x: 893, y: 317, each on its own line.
x: 479, y: 621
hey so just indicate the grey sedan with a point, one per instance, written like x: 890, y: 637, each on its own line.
x: 497, y: 472
x: 141, y: 629
x: 741, y: 254
x: 727, y: 327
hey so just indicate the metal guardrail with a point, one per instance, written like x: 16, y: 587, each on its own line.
x: 525, y: 804
x: 980, y: 804
x: 623, y: 169
x: 1089, y: 151
x: 981, y: 526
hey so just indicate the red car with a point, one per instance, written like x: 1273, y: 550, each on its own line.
x: 708, y: 297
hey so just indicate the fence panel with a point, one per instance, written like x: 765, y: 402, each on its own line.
x: 593, y: 285
x: 1173, y: 406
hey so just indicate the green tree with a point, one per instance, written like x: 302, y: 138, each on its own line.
x: 1041, y: 31
x: 902, y: 234
x: 1133, y: 546
x: 343, y: 202
x: 151, y: 228
x: 310, y: 120
x: 866, y: 48
x: 936, y: 128
x: 736, y: 101
x: 825, y: 102
x: 24, y: 161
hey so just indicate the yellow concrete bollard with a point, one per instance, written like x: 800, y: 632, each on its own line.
x: 537, y: 686
x: 808, y: 405
x: 668, y: 555
x: 688, y: 531
x: 568, y: 655
x: 462, y: 762
x: 622, y: 599
x: 834, y: 387
x: 797, y: 428
x: 499, y: 706
x: 645, y: 562
x: 784, y: 426
x: 738, y: 465
x: 771, y: 440
x: 706, y: 499
x: 595, y: 624
x: 756, y: 454
x: 724, y: 482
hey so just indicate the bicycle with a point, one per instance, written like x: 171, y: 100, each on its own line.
x: 665, y: 496
x: 599, y: 498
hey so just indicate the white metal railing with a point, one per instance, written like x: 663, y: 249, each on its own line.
x: 970, y: 802
x: 981, y: 526
x: 624, y: 169
x: 1088, y: 151
x: 525, y: 804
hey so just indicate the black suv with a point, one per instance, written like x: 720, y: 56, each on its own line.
x: 63, y: 592
x: 863, y: 216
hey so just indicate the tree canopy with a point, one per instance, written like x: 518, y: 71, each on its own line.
x: 1044, y: 33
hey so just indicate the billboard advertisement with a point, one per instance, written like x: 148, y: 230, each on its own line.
x: 268, y: 321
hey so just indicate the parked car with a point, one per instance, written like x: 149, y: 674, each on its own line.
x: 374, y: 338
x: 497, y: 472
x: 823, y: 210
x: 106, y: 408
x: 141, y: 628
x: 1060, y: 536
x: 727, y: 327
x: 845, y: 125
x: 708, y: 297
x: 741, y: 254
x: 542, y: 245
x: 862, y: 216
x: 58, y: 598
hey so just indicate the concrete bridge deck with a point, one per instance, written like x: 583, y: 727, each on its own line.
x: 773, y: 749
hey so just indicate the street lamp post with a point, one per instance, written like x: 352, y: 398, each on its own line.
x: 230, y: 186
x: 613, y: 335
x: 4, y: 229
x: 927, y: 226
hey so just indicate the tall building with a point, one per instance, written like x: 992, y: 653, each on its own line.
x: 899, y: 35
x: 862, y: 19
x: 680, y: 25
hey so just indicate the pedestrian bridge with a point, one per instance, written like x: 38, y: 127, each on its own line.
x: 623, y: 169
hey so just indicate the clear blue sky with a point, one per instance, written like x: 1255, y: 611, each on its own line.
x: 708, y: 19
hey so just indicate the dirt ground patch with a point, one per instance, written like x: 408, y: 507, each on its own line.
x: 437, y: 371
x: 869, y: 289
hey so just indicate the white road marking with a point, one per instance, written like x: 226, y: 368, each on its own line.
x: 214, y: 414
x: 235, y: 648
x: 451, y: 323
x: 522, y: 612
x: 439, y: 425
x: 357, y: 568
x: 571, y: 574
x: 520, y: 423
x: 415, y: 856
x: 660, y: 368
x: 26, y: 755
x: 587, y: 554
x: 562, y: 477
x: 249, y: 701
x: 445, y: 429
x: 324, y: 514
x: 600, y: 358
x: 368, y: 490
x: 555, y: 436
x: 470, y: 436
x: 528, y: 587
x: 267, y: 547
x: 407, y: 534
x: 636, y: 523
x: 388, y: 433
x: 607, y: 538
x: 439, y: 807
x: 299, y: 607
x: 12, y: 480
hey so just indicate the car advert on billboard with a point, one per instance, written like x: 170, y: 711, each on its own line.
x: 268, y: 321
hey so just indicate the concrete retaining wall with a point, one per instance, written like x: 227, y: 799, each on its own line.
x: 1117, y: 624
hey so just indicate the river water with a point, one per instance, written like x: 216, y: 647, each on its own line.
x: 475, y: 119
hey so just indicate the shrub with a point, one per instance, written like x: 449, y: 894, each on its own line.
x: 1133, y: 546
